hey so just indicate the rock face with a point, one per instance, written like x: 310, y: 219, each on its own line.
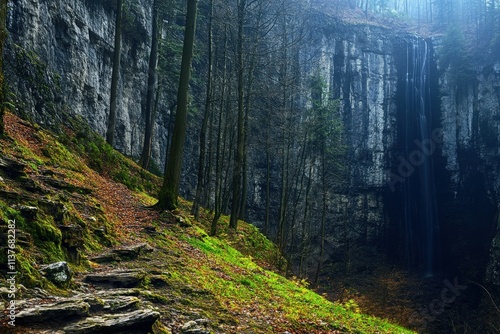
x: 365, y: 67
x: 471, y: 137
x: 74, y: 40
x: 361, y: 66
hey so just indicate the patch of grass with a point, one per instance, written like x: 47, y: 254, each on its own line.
x: 58, y: 155
x: 236, y: 281
x: 24, y: 153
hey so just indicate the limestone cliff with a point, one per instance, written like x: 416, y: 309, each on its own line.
x: 60, y: 54
x: 72, y: 41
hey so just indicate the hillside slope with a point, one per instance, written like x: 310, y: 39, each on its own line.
x: 135, y: 270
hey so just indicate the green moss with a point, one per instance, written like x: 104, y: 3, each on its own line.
x: 26, y: 154
x: 46, y: 237
x: 51, y: 251
x: 42, y: 228
x: 60, y: 156
x: 29, y: 276
x: 7, y: 213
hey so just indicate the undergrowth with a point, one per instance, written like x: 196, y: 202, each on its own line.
x: 233, y: 279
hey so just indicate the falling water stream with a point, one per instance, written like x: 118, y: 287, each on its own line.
x: 420, y: 211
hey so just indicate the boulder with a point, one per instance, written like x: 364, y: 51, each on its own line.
x: 13, y: 168
x: 72, y: 235
x: 58, y: 273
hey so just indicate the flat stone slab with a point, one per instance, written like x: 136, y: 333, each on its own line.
x: 107, y: 302
x: 132, y: 252
x: 117, y: 278
x: 117, y: 292
x: 120, y: 303
x: 60, y: 311
x: 140, y: 321
x: 126, y: 253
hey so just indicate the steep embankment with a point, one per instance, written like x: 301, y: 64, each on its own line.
x: 133, y: 268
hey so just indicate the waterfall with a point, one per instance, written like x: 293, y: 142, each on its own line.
x: 419, y: 224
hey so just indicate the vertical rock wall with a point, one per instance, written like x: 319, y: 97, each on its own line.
x: 471, y: 146
x: 60, y: 54
x: 360, y: 64
x: 71, y: 44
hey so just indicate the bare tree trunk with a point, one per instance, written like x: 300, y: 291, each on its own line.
x: 284, y: 195
x: 304, y: 220
x: 298, y: 183
x: 195, y: 210
x: 218, y: 205
x: 110, y: 134
x: 153, y: 63
x: 323, y: 219
x: 170, y: 188
x: 285, y: 141
x: 206, y: 194
x: 238, y: 166
x: 251, y: 73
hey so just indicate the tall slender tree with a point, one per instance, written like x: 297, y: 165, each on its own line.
x: 220, y: 141
x: 169, y: 191
x: 239, y: 157
x: 152, y: 79
x: 203, y: 132
x: 110, y: 134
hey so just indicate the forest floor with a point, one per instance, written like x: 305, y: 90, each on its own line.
x: 74, y: 199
